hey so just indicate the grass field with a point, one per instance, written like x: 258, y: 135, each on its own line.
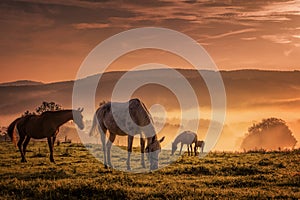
x: 77, y: 174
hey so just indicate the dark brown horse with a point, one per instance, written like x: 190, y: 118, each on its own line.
x: 42, y: 126
x: 199, y: 144
x: 127, y: 119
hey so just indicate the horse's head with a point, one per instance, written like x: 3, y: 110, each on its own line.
x: 174, y: 148
x: 78, y: 118
x: 153, y: 149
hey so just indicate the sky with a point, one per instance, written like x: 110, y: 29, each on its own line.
x: 48, y: 40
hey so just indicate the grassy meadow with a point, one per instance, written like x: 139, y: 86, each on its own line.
x: 77, y: 174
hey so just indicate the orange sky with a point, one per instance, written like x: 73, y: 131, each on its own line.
x: 47, y: 40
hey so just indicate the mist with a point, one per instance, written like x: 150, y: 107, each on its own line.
x: 252, y: 95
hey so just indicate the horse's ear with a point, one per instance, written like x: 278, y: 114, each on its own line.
x: 81, y: 109
x: 153, y: 139
x: 162, y: 139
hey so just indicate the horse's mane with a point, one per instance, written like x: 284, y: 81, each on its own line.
x: 55, y: 111
x: 144, y: 108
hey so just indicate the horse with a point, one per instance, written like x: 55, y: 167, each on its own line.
x: 45, y: 125
x: 127, y: 119
x: 200, y: 144
x: 186, y: 137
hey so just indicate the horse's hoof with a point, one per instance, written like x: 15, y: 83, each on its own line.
x: 105, y: 166
x: 23, y: 161
x: 143, y: 165
x: 128, y: 168
x: 110, y: 166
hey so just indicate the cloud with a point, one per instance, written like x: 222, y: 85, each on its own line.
x: 279, y: 103
x: 249, y: 38
x: 280, y: 39
x: 90, y: 26
x: 296, y: 36
x: 272, y: 11
x: 52, y: 30
x: 232, y: 33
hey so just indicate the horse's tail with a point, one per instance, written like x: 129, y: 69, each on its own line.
x: 11, y: 131
x: 94, y: 124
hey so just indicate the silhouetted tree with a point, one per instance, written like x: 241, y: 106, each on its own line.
x: 3, y: 133
x: 48, y: 106
x: 270, y: 134
x: 45, y: 106
x: 27, y: 112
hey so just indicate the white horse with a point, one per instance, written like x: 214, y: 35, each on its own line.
x: 186, y: 137
x: 138, y: 121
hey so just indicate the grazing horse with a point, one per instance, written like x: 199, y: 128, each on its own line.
x: 127, y: 118
x: 186, y: 137
x: 42, y: 126
x: 200, y: 144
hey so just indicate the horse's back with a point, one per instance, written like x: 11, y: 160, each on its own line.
x: 127, y: 115
x: 33, y: 126
x: 188, y: 137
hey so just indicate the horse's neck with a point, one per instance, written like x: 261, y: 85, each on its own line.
x: 176, y: 141
x: 62, y: 117
x: 149, y: 131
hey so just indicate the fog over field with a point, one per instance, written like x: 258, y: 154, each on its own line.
x: 251, y: 96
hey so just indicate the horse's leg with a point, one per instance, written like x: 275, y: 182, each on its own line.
x: 54, y: 137
x: 142, y: 141
x: 129, y: 149
x: 51, y: 149
x: 20, y: 142
x: 103, y: 140
x: 53, y: 142
x: 25, y: 145
x: 188, y: 146
x: 195, y: 149
x: 180, y: 149
x: 109, y: 143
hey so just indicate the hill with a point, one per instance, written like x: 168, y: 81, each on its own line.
x: 21, y: 83
x: 251, y: 96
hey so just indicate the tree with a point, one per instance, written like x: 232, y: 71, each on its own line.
x: 45, y: 106
x: 27, y: 112
x: 3, y: 133
x: 48, y: 106
x: 270, y: 134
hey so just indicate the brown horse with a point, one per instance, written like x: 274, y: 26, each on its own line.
x: 186, y: 137
x: 200, y: 144
x: 42, y: 126
x: 128, y: 118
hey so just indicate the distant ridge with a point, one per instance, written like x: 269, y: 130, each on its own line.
x: 21, y: 83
